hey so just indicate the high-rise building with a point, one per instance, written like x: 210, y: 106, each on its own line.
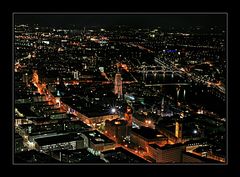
x: 118, y: 85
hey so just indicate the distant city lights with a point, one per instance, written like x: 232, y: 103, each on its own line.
x: 119, y: 93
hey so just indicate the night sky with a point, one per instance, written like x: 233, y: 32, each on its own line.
x: 176, y: 20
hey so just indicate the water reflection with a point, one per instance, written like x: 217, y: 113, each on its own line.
x: 190, y: 94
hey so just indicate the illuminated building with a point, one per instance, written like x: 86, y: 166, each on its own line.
x: 178, y: 130
x: 63, y: 141
x: 145, y: 135
x: 128, y: 118
x: 98, y: 141
x: 118, y: 85
x: 87, y: 115
x: 166, y: 154
x: 116, y: 128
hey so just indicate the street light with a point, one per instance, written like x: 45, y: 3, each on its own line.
x: 195, y: 131
x: 113, y: 110
x: 148, y: 121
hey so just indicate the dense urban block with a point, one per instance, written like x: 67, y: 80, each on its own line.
x: 119, y: 94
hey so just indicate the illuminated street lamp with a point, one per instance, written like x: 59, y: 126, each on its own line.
x: 113, y: 110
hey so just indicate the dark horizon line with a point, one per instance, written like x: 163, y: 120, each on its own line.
x: 180, y: 20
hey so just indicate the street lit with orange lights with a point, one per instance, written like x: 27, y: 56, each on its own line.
x: 119, y: 94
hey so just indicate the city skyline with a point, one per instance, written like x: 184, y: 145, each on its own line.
x: 133, y: 94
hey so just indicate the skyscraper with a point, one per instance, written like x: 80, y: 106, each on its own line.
x: 118, y: 85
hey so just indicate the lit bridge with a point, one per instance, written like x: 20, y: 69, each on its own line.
x: 155, y: 85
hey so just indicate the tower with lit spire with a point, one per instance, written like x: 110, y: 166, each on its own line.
x: 118, y: 85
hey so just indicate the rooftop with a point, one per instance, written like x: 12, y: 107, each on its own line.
x: 167, y: 146
x: 33, y: 156
x: 59, y: 126
x: 155, y: 146
x: 120, y: 155
x: 97, y: 137
x: 117, y: 122
x: 78, y: 156
x: 203, y: 159
x: 148, y: 133
x: 58, y: 139
x: 25, y: 110
x: 86, y: 108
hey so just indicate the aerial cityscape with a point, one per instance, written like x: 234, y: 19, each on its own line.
x: 120, y: 89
